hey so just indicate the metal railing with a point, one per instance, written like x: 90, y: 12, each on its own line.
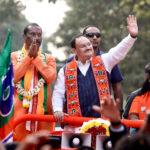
x: 69, y: 119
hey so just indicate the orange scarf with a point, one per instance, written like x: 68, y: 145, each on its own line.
x: 27, y: 83
x: 71, y: 85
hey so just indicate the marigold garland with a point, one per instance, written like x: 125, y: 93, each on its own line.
x: 96, y: 127
x: 34, y: 91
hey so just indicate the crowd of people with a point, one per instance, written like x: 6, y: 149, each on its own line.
x: 82, y: 89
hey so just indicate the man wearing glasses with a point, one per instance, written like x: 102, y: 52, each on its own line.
x: 84, y: 82
x: 115, y: 77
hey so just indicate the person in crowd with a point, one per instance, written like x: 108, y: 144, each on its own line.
x: 40, y: 140
x: 2, y: 146
x: 135, y: 142
x: 137, y: 92
x: 138, y: 141
x: 129, y: 101
x: 84, y: 80
x: 138, y: 101
x: 109, y: 109
x: 34, y: 71
x: 11, y: 145
x: 118, y: 132
x: 115, y: 77
x: 141, y: 101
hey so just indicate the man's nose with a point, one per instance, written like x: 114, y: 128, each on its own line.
x: 95, y: 37
x: 37, y: 37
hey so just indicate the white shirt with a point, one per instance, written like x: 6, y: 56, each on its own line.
x: 110, y: 59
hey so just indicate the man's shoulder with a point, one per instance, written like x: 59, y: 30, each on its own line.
x: 99, y: 52
x: 129, y: 101
x: 70, y: 59
x: 48, y: 55
x: 135, y: 93
x: 16, y: 52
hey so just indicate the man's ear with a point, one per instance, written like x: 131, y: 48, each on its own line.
x: 23, y: 36
x: 74, y: 50
x: 147, y: 76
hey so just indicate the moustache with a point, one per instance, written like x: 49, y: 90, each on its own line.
x: 95, y: 42
x: 88, y: 50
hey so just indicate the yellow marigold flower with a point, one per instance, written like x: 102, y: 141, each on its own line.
x: 107, y: 132
x: 28, y: 97
x: 86, y: 127
x: 82, y: 131
x: 93, y: 123
x: 107, y: 129
x: 97, y: 124
x: 26, y: 105
x: 90, y: 125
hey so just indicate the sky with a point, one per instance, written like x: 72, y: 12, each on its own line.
x: 48, y: 16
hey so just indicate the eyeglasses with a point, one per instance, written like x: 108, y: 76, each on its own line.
x: 91, y: 35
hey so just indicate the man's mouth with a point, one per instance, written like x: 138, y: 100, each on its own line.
x: 94, y: 43
x: 38, y: 42
x: 88, y: 50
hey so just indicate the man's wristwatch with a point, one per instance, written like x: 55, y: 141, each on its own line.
x: 116, y: 123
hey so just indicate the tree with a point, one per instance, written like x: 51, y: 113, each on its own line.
x: 11, y: 17
x: 15, y: 21
x: 110, y: 17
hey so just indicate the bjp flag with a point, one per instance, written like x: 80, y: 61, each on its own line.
x: 6, y: 92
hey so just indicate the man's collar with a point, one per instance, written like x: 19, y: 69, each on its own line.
x: 99, y: 52
x: 80, y: 63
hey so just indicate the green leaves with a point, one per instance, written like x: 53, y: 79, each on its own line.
x: 11, y: 17
x: 110, y: 17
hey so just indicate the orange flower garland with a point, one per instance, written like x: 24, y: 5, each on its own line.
x: 95, y: 127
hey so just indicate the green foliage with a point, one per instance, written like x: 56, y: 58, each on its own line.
x: 11, y: 17
x: 110, y: 17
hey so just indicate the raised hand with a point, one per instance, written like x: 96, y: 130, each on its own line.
x: 146, y: 126
x: 33, y: 49
x: 109, y: 109
x: 132, y: 25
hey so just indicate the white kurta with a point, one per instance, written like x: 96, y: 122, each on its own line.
x: 110, y: 59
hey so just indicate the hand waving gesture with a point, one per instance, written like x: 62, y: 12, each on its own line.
x: 109, y: 109
x: 132, y: 25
